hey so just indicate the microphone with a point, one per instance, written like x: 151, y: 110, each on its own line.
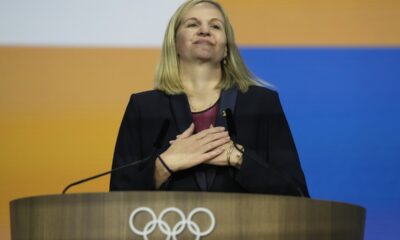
x: 157, y: 145
x: 230, y: 122
x: 227, y: 113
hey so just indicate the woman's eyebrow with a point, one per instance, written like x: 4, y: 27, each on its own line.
x: 196, y: 19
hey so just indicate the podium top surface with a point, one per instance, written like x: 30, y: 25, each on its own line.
x: 186, y: 194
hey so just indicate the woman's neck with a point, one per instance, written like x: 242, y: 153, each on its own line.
x: 200, y: 78
x: 200, y: 83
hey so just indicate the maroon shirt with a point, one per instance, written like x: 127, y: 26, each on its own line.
x: 202, y: 120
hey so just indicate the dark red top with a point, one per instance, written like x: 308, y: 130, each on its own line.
x: 202, y: 120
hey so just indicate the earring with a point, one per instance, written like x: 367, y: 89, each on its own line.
x: 224, y: 61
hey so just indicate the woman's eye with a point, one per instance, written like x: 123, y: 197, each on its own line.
x: 192, y: 25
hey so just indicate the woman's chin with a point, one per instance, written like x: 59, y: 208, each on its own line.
x: 206, y: 59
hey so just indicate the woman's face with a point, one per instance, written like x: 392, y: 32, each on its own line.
x: 201, y: 35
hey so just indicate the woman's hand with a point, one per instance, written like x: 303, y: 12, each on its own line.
x: 230, y: 157
x: 189, y: 150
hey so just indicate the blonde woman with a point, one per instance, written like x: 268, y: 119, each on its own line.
x: 200, y: 75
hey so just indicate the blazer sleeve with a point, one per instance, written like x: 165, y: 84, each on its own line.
x: 276, y: 168
x: 127, y: 150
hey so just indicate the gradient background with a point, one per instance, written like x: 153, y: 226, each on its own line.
x: 67, y: 69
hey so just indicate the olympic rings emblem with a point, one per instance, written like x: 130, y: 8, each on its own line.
x: 171, y: 233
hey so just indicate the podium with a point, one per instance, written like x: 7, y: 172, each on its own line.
x: 183, y: 215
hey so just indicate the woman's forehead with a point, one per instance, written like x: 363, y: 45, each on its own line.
x: 203, y: 9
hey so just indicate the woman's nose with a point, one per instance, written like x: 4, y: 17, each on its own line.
x: 204, y: 30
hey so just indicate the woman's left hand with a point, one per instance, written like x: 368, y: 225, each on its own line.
x: 231, y: 153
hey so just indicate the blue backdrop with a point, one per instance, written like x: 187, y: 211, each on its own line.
x: 344, y: 112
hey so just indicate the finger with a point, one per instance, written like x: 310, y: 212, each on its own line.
x: 213, y: 137
x: 215, y: 144
x: 208, y: 131
x: 188, y: 132
x: 207, y: 156
x: 221, y: 159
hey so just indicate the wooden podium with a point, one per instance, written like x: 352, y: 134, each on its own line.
x: 183, y: 215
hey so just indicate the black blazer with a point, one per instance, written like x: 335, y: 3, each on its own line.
x: 270, y: 163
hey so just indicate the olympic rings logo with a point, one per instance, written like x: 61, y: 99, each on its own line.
x: 171, y: 233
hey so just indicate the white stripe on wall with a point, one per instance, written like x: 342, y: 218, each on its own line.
x: 114, y: 23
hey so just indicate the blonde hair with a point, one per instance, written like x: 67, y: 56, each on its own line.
x: 234, y: 71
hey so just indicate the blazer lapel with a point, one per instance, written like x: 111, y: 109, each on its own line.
x: 183, y: 118
x: 227, y: 100
x: 181, y: 112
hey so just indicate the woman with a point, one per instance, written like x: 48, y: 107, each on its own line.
x: 200, y: 75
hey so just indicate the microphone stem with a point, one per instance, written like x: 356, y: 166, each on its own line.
x: 104, y: 173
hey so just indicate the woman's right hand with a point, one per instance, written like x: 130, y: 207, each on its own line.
x: 189, y: 150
